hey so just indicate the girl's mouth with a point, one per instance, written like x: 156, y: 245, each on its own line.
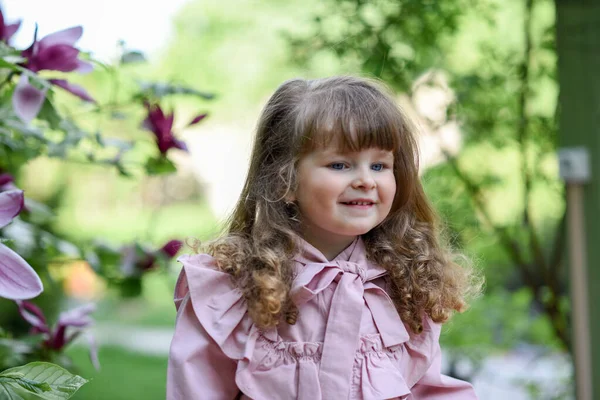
x: 358, y: 203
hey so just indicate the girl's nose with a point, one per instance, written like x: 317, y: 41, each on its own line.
x: 364, y: 180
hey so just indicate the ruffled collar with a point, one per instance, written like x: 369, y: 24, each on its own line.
x: 355, y: 253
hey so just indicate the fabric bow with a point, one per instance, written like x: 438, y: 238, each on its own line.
x: 354, y: 276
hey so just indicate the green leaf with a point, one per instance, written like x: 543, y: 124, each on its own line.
x: 6, y: 50
x: 34, y: 79
x: 49, y: 114
x: 122, y: 171
x: 39, y: 380
x: 159, y: 90
x: 132, y: 57
x: 99, y: 139
x: 160, y: 165
x: 19, y: 126
x: 131, y: 287
x: 27, y: 384
x: 8, y: 62
x: 13, y: 352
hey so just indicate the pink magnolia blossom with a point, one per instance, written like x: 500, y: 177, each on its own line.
x: 56, y: 338
x: 7, y: 30
x: 17, y: 279
x: 7, y: 182
x: 55, y: 52
x: 161, y: 125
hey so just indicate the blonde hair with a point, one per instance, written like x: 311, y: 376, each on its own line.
x: 259, y: 243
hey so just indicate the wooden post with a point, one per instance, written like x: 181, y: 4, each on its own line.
x: 578, y: 40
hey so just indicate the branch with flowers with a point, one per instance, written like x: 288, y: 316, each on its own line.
x: 19, y: 281
x: 38, y: 120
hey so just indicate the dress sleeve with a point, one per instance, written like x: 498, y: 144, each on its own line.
x: 198, y: 368
x: 436, y: 386
x: 210, y: 333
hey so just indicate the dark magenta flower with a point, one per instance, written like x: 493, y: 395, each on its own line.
x: 7, y: 182
x: 136, y: 259
x: 7, y: 30
x: 17, y: 279
x: 70, y: 325
x: 55, y: 52
x: 161, y: 125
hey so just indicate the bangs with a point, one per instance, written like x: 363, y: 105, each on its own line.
x: 350, y: 119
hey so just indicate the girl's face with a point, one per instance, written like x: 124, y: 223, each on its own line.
x: 343, y: 195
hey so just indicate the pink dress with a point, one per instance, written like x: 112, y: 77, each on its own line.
x: 348, y: 341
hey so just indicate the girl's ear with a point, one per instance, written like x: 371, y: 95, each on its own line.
x: 290, y: 197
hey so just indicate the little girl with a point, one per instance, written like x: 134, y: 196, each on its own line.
x: 330, y: 282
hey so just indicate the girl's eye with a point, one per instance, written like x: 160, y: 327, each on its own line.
x: 377, y: 167
x: 337, y: 165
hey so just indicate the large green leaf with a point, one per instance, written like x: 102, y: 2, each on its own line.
x: 160, y: 165
x: 159, y: 89
x: 39, y: 380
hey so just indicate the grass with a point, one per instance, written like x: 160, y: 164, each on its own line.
x: 124, y: 375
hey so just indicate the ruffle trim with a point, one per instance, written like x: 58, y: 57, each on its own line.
x: 379, y: 371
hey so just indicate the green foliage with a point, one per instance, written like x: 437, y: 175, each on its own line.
x: 241, y: 55
x: 500, y: 195
x: 394, y: 40
x: 160, y: 90
x: 160, y: 165
x: 86, y: 136
x: 39, y: 380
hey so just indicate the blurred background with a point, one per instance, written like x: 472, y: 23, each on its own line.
x: 107, y: 209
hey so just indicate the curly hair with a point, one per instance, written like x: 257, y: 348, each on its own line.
x: 261, y: 234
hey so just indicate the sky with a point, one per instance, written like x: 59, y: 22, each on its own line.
x: 143, y: 25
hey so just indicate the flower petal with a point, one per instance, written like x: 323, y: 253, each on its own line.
x: 78, y: 316
x: 84, y: 67
x: 5, y: 179
x: 93, y: 351
x: 180, y: 145
x: 197, y: 119
x: 147, y: 124
x: 74, y: 89
x: 34, y: 315
x: 60, y: 57
x: 27, y: 100
x: 171, y: 247
x: 67, y: 36
x: 17, y: 279
x: 10, y: 30
x: 168, y: 127
x: 11, y: 204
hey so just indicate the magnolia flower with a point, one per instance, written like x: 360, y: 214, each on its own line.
x: 7, y: 182
x: 162, y: 127
x: 56, y: 339
x: 17, y: 279
x: 55, y: 52
x: 7, y: 30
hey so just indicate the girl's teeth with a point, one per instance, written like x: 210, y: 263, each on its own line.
x: 359, y: 203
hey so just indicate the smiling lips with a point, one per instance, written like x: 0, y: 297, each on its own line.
x: 359, y: 203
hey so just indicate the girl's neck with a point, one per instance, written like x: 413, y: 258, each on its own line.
x: 329, y: 248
